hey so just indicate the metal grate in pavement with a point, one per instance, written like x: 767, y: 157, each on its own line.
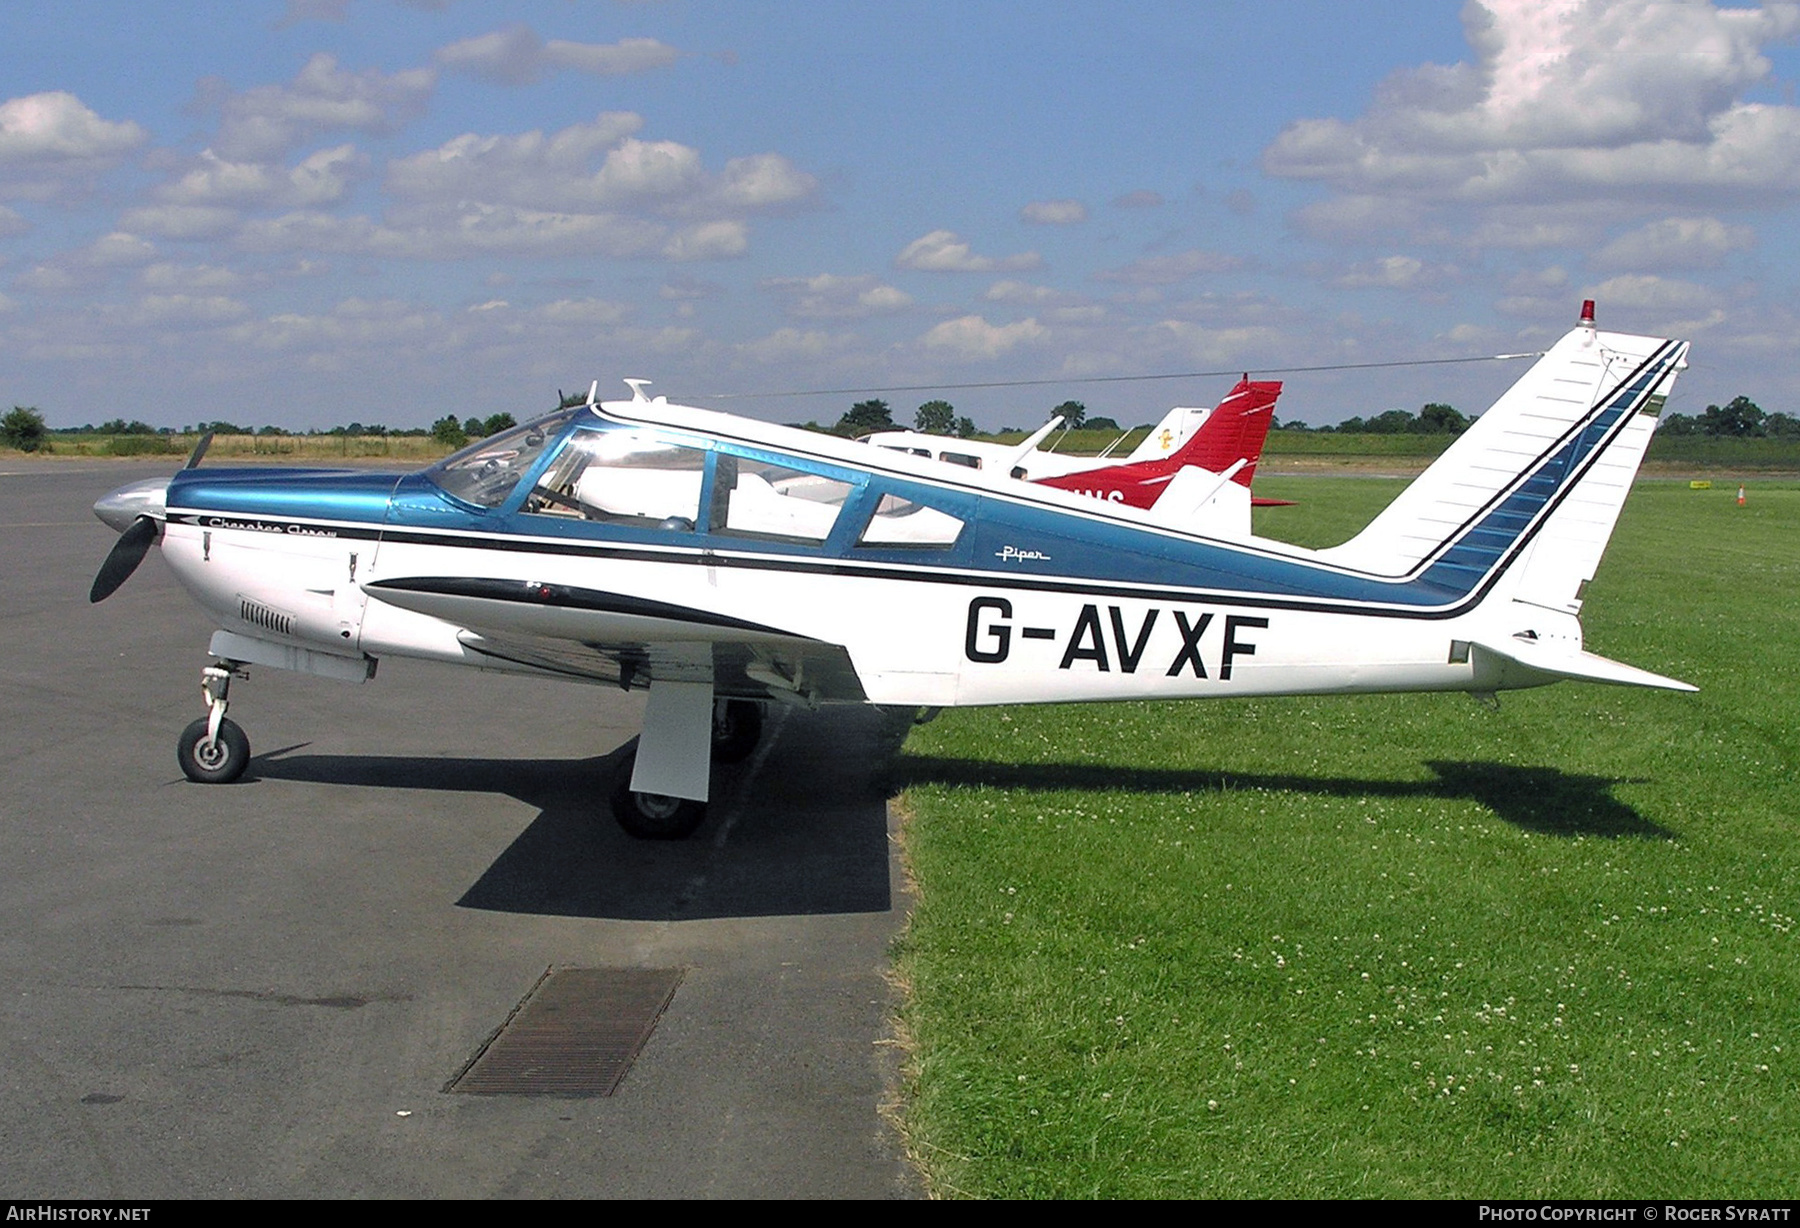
x: 575, y: 1034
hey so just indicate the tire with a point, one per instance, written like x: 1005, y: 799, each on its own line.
x: 221, y: 763
x: 652, y: 816
x: 737, y: 728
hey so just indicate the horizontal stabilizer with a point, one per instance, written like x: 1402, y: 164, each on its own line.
x: 1555, y: 660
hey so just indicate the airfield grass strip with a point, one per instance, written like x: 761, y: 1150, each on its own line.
x: 1383, y: 946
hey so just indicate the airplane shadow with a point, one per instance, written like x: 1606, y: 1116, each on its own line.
x: 1538, y: 799
x: 804, y: 833
x: 802, y: 829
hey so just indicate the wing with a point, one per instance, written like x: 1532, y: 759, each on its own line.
x: 632, y: 642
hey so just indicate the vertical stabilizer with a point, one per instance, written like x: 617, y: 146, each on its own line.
x: 1564, y: 442
x: 1174, y: 430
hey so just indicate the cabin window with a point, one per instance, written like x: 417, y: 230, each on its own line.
x: 622, y: 477
x: 905, y: 523
x: 773, y: 502
x: 961, y: 458
x: 486, y: 472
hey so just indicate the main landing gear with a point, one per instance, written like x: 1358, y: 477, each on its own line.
x: 737, y: 727
x: 213, y: 750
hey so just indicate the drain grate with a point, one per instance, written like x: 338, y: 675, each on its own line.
x: 575, y: 1034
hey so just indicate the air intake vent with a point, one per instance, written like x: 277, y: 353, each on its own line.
x: 259, y: 615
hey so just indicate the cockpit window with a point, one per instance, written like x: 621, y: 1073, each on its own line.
x: 622, y: 477
x: 487, y: 471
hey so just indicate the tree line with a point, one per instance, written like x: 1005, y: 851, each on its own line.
x: 1739, y: 418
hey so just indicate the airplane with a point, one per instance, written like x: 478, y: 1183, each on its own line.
x: 1229, y: 441
x: 1210, y: 439
x: 727, y: 564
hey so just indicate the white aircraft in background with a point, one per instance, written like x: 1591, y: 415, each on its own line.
x: 726, y: 564
x: 1177, y: 430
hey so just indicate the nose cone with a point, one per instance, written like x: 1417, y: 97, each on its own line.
x: 146, y: 498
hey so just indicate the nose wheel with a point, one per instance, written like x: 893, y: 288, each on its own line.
x: 213, y: 750
x: 215, y: 760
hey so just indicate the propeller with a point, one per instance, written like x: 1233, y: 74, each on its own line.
x: 199, y: 452
x: 133, y: 544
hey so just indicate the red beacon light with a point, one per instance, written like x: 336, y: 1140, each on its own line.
x: 1587, y: 313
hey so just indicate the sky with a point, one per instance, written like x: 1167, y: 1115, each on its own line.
x: 311, y: 212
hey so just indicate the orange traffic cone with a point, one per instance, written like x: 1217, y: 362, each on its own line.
x: 1741, y: 499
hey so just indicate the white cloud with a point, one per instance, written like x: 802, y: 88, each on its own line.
x: 587, y: 312
x: 787, y: 344
x: 1354, y: 217
x: 529, y: 168
x: 973, y: 337
x: 115, y: 250
x: 1167, y: 270
x: 85, y: 267
x: 181, y: 221
x: 448, y: 233
x: 1054, y: 212
x: 687, y: 289
x: 1142, y: 198
x: 264, y: 123
x: 1395, y: 273
x: 167, y: 277
x: 51, y: 143
x: 1010, y: 291
x: 156, y: 309
x: 517, y: 56
x: 1644, y: 292
x: 1554, y: 277
x: 942, y: 251
x: 708, y: 241
x: 321, y: 178
x: 831, y: 297
x: 50, y: 279
x: 1675, y: 243
x: 557, y: 171
x: 763, y: 181
x: 1569, y: 99
x: 1213, y: 346
x: 593, y: 188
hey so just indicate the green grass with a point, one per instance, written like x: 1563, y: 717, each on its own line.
x: 1385, y: 946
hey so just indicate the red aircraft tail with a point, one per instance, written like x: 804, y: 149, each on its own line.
x: 1235, y: 431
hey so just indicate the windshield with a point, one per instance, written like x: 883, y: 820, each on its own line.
x: 485, y: 472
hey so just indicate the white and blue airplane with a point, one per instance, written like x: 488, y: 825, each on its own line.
x: 726, y: 564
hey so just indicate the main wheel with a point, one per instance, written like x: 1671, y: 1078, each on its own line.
x: 737, y: 728
x: 654, y: 816
x: 219, y: 763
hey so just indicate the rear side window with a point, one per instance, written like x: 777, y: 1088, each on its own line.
x: 901, y: 523
x: 773, y: 502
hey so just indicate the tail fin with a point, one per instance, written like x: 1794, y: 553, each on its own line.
x: 1235, y: 431
x: 1520, y: 508
x: 1173, y: 431
x: 1562, y: 445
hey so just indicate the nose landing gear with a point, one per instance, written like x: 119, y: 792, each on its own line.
x: 213, y: 750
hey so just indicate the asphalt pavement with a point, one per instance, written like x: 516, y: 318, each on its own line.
x: 264, y: 989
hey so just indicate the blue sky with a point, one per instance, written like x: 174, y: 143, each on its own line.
x: 311, y: 212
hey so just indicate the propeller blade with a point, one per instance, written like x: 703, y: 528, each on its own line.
x: 193, y: 461
x: 133, y: 544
